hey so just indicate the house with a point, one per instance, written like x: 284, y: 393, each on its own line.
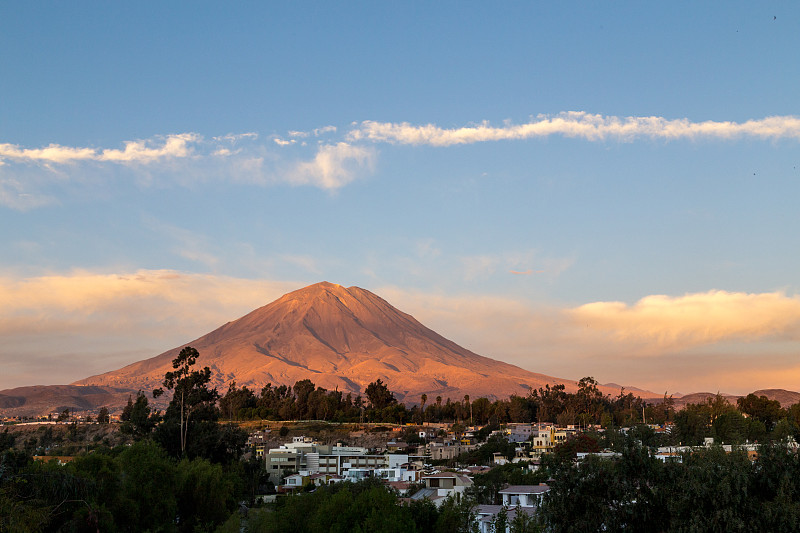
x: 523, y: 495
x: 396, y: 445
x: 517, y: 433
x: 542, y: 439
x: 440, y: 451
x: 516, y: 499
x: 294, y: 482
x: 486, y: 515
x: 324, y: 479
x: 441, y: 485
x: 401, y: 487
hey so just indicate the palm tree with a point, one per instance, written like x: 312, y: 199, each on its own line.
x: 424, y: 399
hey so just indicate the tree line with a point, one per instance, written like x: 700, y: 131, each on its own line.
x: 753, y: 418
x: 705, y: 490
x: 182, y: 473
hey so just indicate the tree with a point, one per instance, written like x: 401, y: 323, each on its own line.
x: 190, y: 388
x: 136, y: 418
x: 235, y: 400
x: 761, y: 408
x: 379, y: 395
x: 424, y: 399
x: 103, y: 416
x: 63, y: 415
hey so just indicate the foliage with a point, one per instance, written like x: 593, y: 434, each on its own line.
x: 708, y: 490
x: 485, y: 487
x: 761, y: 408
x: 136, y: 417
x: 191, y: 394
x: 342, y: 507
x: 133, y: 488
x: 379, y: 395
x: 484, y: 454
x: 581, y: 442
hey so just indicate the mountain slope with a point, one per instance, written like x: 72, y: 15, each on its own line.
x: 341, y: 338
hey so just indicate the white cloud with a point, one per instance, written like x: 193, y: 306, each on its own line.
x: 29, y: 178
x: 316, y: 132
x: 578, y: 124
x: 189, y: 158
x: 177, y: 146
x: 334, y: 166
x: 236, y: 137
x: 52, y: 153
x: 323, y: 130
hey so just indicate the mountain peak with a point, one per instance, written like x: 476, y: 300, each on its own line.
x: 341, y: 338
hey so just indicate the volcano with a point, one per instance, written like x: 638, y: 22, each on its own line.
x: 339, y: 338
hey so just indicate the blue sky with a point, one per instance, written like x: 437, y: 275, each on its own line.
x: 574, y: 188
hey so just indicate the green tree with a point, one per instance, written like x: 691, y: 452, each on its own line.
x: 379, y: 395
x: 236, y: 400
x: 457, y: 516
x: 148, y: 488
x: 191, y: 391
x: 136, y: 417
x: 761, y: 408
x: 205, y: 495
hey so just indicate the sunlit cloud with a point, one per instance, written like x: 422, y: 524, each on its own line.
x: 80, y: 323
x: 177, y: 146
x: 578, y: 124
x: 139, y: 151
x: 687, y: 344
x: 694, y: 319
x: 143, y: 296
x: 695, y: 341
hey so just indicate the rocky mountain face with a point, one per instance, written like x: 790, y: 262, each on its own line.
x: 341, y: 338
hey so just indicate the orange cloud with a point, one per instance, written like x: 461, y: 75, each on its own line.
x: 694, y: 319
x: 162, y: 298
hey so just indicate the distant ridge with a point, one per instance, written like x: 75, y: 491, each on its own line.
x: 43, y: 399
x: 785, y: 397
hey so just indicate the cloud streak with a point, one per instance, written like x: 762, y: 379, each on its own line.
x: 581, y: 125
x: 139, y: 151
x: 28, y: 174
x: 333, y: 161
